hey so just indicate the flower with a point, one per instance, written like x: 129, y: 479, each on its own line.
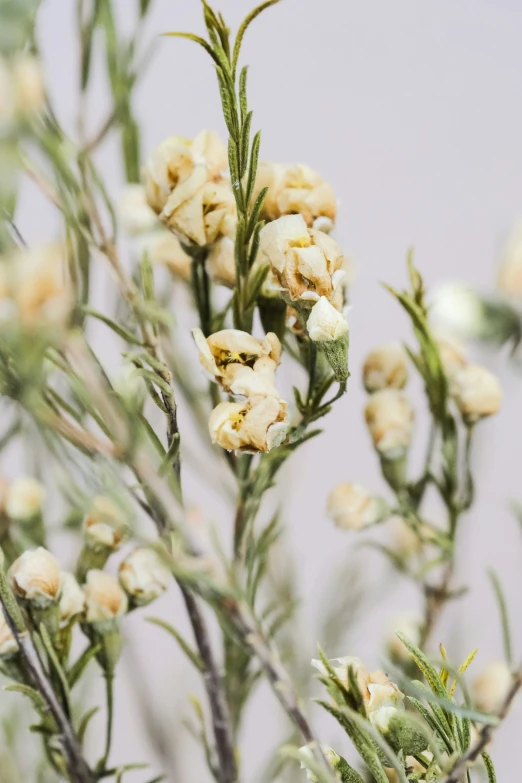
x: 476, y: 391
x: 164, y: 249
x: 451, y: 355
x: 239, y: 362
x: 72, y: 600
x: 390, y: 417
x: 185, y: 186
x: 129, y: 385
x: 144, y: 576
x: 458, y: 309
x: 221, y: 262
x: 36, y: 577
x: 411, y: 626
x: 27, y: 76
x: 104, y: 597
x: 491, y: 687
x: 104, y: 526
x: 8, y: 644
x: 34, y: 286
x: 385, y: 367
x: 510, y: 274
x: 325, y: 323
x: 406, y: 541
x: 136, y: 215
x: 306, y: 263
x: 24, y: 498
x: 352, y: 507
x: 296, y: 189
x: 249, y: 427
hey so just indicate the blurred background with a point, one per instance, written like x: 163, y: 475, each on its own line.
x: 411, y: 110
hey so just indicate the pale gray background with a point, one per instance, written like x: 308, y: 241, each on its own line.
x: 411, y: 109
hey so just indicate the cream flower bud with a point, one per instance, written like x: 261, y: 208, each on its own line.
x: 352, y: 507
x: 248, y: 427
x: 72, y: 600
x: 144, y: 576
x: 477, y: 392
x: 164, y: 249
x: 406, y: 542
x: 295, y: 189
x: 238, y: 361
x: 34, y: 287
x: 451, y: 355
x: 457, y: 308
x: 390, y: 417
x: 325, y: 323
x: 28, y: 84
x: 24, y: 499
x: 105, y: 599
x: 385, y: 367
x: 35, y: 577
x: 307, y: 263
x: 8, y: 644
x: 104, y: 527
x: 129, y: 385
x: 411, y: 626
x: 221, y: 262
x: 136, y: 215
x: 491, y: 687
x: 510, y: 274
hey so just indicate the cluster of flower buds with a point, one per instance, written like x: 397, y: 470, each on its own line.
x: 22, y: 92
x: 353, y: 507
x: 34, y: 288
x: 296, y: 189
x: 244, y: 366
x: 104, y: 531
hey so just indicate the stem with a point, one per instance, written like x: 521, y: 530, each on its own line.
x: 109, y: 692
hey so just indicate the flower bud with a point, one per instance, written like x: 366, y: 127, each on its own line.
x: 390, y: 417
x: 24, y: 499
x: 221, y: 262
x: 328, y: 328
x: 451, y: 355
x: 35, y: 577
x: 105, y: 599
x: 144, y: 576
x: 295, y: 189
x: 136, y: 216
x: 491, y: 687
x: 8, y: 644
x: 457, y: 308
x: 406, y: 542
x: 510, y: 275
x: 352, y: 507
x: 477, y: 392
x: 104, y: 527
x: 27, y: 76
x: 130, y: 386
x: 72, y: 600
x: 306, y: 263
x: 385, y: 367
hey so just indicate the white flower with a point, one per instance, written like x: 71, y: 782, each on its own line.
x: 390, y: 418
x: 72, y: 600
x: 136, y: 216
x: 104, y: 597
x: 295, y: 189
x: 458, y: 309
x: 385, y: 367
x: 24, y: 499
x: 352, y: 507
x: 325, y: 323
x: 249, y: 427
x: 104, y: 527
x: 307, y: 263
x: 476, y: 391
x: 411, y: 626
x: 452, y: 355
x: 491, y: 687
x: 144, y: 576
x: 36, y: 577
x: 8, y: 644
x: 239, y: 362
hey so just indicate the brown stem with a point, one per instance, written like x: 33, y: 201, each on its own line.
x: 213, y: 683
x: 459, y: 768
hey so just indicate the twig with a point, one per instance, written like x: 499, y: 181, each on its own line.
x: 459, y: 768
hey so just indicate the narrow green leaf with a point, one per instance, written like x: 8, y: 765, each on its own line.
x: 254, y: 214
x: 243, y: 100
x: 37, y: 699
x: 429, y: 671
x: 504, y: 615
x: 53, y: 658
x: 245, y: 143
x: 187, y: 649
x: 196, y: 39
x: 78, y: 668
x: 252, y: 170
x: 490, y: 769
x: 125, y: 334
x: 84, y: 723
x: 244, y: 27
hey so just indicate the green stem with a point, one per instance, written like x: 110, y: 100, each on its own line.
x: 109, y: 691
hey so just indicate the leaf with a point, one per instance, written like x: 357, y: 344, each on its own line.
x: 196, y: 38
x: 53, y: 658
x: 462, y: 668
x: 189, y: 652
x: 252, y: 170
x: 78, y: 668
x: 433, y: 722
x: 243, y: 101
x: 430, y: 673
x: 490, y: 769
x: 244, y: 27
x: 84, y: 723
x: 36, y: 697
x: 504, y: 615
